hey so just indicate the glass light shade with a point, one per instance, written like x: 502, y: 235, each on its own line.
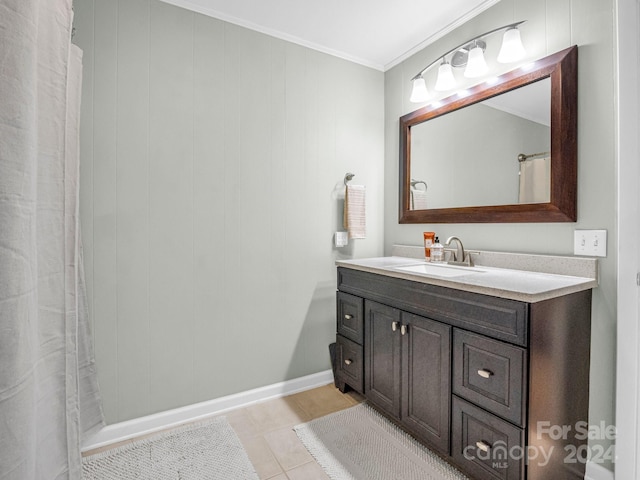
x: 476, y: 65
x: 446, y: 80
x: 512, y: 49
x: 419, y: 92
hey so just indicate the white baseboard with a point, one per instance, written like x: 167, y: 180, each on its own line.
x: 597, y: 472
x: 118, y: 432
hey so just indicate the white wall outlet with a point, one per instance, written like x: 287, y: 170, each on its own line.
x: 592, y: 243
x: 341, y: 239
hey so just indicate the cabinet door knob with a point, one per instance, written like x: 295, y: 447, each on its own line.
x: 394, y: 326
x: 485, y: 373
x: 485, y: 447
x: 348, y: 317
x: 348, y: 361
x: 403, y: 329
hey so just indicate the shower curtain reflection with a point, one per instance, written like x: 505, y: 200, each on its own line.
x: 535, y: 180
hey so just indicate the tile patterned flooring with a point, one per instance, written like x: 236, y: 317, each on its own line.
x: 266, y: 431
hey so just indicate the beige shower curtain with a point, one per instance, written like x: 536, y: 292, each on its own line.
x: 48, y: 390
x: 535, y: 181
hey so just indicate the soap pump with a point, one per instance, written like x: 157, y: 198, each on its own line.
x: 437, y: 251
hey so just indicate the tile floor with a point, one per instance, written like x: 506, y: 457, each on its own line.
x: 266, y: 431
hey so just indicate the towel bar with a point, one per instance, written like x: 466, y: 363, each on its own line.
x: 523, y: 158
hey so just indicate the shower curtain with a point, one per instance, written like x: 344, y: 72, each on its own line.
x: 535, y: 180
x: 48, y: 390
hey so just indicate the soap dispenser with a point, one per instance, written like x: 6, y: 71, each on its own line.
x: 437, y: 251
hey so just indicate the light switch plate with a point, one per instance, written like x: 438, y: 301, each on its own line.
x: 341, y: 239
x: 592, y: 243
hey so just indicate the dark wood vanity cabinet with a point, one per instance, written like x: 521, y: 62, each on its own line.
x: 479, y: 379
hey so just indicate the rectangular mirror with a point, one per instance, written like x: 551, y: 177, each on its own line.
x: 506, y: 152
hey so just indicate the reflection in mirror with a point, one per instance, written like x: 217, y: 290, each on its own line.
x: 495, y: 152
x: 490, y: 156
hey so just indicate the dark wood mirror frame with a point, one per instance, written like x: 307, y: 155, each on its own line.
x: 562, y: 68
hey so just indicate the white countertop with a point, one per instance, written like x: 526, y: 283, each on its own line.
x: 520, y: 285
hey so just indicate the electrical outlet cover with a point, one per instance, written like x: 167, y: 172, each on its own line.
x: 341, y: 239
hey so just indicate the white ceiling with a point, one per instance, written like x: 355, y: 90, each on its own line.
x: 375, y: 33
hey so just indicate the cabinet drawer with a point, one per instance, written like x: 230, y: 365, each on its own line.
x: 349, y: 362
x: 349, y: 317
x: 499, y: 318
x: 490, y: 374
x: 484, y: 445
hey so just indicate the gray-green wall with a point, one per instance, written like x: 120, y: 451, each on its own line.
x: 552, y: 26
x: 212, y: 158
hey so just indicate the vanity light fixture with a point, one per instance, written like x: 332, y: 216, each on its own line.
x: 446, y: 80
x: 512, y: 49
x: 476, y: 64
x: 419, y: 93
x: 469, y: 54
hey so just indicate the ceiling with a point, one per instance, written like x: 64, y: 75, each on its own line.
x: 532, y: 102
x: 375, y: 33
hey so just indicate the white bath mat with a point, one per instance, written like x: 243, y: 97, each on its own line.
x: 360, y: 444
x: 208, y: 450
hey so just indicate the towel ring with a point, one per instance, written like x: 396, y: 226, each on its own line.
x: 348, y: 177
x: 416, y: 182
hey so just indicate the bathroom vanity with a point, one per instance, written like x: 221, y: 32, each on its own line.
x: 483, y: 365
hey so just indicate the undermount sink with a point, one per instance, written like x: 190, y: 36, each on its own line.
x: 439, y: 270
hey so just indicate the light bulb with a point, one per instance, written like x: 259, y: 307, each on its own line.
x: 512, y: 49
x: 446, y: 80
x: 419, y: 92
x: 476, y: 65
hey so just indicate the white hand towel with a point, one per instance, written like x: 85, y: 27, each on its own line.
x: 418, y: 199
x: 355, y: 211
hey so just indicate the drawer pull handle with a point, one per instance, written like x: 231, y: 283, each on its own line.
x: 485, y: 373
x: 403, y: 330
x: 348, y: 361
x: 348, y: 317
x: 485, y: 447
x: 394, y: 326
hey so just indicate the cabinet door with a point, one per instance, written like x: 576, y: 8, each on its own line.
x: 426, y: 379
x: 382, y: 357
